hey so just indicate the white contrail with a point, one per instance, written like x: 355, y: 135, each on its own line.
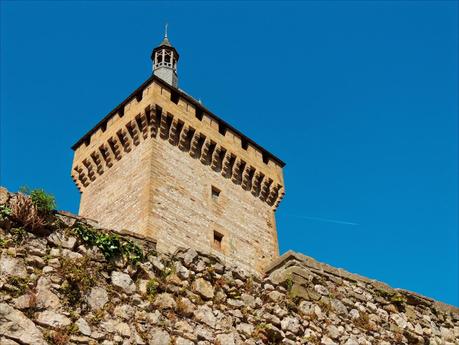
x: 327, y: 220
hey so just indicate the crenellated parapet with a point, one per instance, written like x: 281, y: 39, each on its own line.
x: 158, y: 112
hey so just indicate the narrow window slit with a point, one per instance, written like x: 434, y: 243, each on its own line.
x: 222, y: 129
x: 175, y: 97
x: 199, y: 114
x: 215, y: 192
x: 265, y: 158
x: 218, y: 240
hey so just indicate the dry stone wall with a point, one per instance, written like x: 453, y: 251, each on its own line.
x: 61, y: 283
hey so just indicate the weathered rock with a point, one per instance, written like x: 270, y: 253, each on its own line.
x: 291, y: 324
x: 182, y: 341
x: 399, y: 320
x: 5, y: 341
x: 205, y: 315
x: 36, y: 246
x: 236, y: 303
x: 275, y: 296
x: 123, y: 281
x: 226, y: 339
x: 24, y: 301
x: 16, y: 326
x: 245, y: 328
x: 159, y: 337
x: 203, y: 288
x: 83, y: 326
x: 165, y: 301
x: 35, y: 261
x: 45, y: 298
x: 333, y: 331
x: 124, y: 311
x: 321, y: 289
x: 188, y: 257
x: 182, y: 271
x: 69, y: 254
x: 59, y: 239
x: 52, y: 319
x: 123, y: 329
x: 11, y: 266
x: 185, y: 307
x: 97, y: 298
x: 327, y: 341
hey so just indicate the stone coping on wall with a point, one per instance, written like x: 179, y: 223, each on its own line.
x: 297, y: 264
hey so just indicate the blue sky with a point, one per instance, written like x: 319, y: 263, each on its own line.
x: 358, y: 98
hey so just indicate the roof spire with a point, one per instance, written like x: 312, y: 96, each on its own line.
x: 165, y: 31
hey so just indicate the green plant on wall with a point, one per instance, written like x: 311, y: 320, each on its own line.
x: 43, y: 201
x: 5, y: 212
x: 111, y: 245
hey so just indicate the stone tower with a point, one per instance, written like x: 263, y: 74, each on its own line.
x: 162, y: 165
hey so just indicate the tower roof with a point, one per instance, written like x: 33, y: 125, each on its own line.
x: 165, y: 43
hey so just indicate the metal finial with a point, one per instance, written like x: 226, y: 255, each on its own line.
x: 165, y: 31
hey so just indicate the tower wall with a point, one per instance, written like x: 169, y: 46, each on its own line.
x: 167, y: 74
x: 151, y: 165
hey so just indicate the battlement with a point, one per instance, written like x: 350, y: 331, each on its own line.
x: 157, y: 110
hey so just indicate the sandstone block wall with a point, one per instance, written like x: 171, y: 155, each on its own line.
x: 151, y: 167
x: 55, y: 288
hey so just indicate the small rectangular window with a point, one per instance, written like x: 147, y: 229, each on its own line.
x: 199, y: 114
x: 244, y: 144
x: 222, y: 129
x: 218, y: 239
x: 265, y: 158
x: 215, y: 193
x: 175, y: 97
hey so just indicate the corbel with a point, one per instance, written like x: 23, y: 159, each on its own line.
x: 163, y: 127
x: 81, y: 176
x: 154, y: 121
x: 141, y: 120
x: 247, y: 177
x: 206, y: 154
x: 196, y: 144
x: 238, y: 167
x: 272, y: 197
x: 133, y: 131
x: 185, y: 138
x: 217, y: 158
x: 175, y: 131
x: 256, y: 185
x: 124, y: 139
x: 281, y: 195
x: 265, y: 186
x: 115, y: 146
x: 90, y: 168
x: 227, y: 165
x: 96, y: 159
x: 106, y: 155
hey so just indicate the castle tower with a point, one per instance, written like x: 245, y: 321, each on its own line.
x: 165, y: 59
x: 161, y: 165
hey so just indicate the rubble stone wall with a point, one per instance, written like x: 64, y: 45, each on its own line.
x: 58, y: 285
